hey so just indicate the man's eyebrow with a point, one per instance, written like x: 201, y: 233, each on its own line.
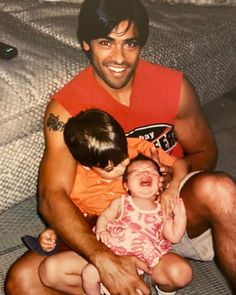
x: 132, y: 39
x: 109, y: 38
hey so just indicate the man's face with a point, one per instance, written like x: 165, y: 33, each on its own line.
x: 115, y: 57
x: 142, y: 181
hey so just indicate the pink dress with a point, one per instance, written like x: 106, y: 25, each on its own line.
x: 138, y: 232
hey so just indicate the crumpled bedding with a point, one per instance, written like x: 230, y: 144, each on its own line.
x: 201, y: 41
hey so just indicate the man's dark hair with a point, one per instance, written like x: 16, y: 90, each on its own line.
x: 94, y: 138
x: 98, y: 18
x: 140, y: 157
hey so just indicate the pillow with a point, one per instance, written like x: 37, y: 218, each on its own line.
x: 202, y: 2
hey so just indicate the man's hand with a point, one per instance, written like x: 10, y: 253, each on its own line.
x: 166, y: 176
x: 120, y: 276
x: 166, y: 171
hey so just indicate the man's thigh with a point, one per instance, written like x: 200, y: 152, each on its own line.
x: 201, y: 246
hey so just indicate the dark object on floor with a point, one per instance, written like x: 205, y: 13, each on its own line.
x: 7, y: 51
x: 32, y: 243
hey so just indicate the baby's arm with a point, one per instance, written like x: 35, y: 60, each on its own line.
x: 47, y: 239
x: 174, y: 227
x: 107, y: 215
x: 180, y: 170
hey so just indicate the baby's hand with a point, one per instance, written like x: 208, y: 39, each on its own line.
x: 179, y: 208
x: 168, y: 202
x: 47, y: 240
x: 103, y: 236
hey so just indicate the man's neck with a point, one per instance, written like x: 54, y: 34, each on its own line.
x: 121, y: 95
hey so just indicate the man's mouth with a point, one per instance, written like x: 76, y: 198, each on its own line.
x: 117, y: 69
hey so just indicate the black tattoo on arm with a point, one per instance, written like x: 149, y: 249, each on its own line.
x: 54, y: 124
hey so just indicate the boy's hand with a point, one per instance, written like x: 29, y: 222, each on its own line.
x: 47, y: 240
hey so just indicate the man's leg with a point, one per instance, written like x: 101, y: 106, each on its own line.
x: 22, y: 278
x: 210, y: 200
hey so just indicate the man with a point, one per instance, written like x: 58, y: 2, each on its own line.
x: 150, y: 101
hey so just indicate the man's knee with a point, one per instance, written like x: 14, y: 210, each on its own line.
x: 207, y: 187
x: 19, y: 276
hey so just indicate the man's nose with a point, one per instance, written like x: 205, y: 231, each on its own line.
x: 118, y: 54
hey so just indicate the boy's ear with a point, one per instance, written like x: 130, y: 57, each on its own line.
x: 126, y: 186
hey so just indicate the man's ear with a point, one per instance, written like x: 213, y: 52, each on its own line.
x: 86, y: 46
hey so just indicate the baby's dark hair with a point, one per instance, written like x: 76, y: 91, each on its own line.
x: 140, y: 157
x: 95, y: 138
x: 98, y: 18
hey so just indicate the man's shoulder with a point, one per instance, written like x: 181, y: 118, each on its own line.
x: 153, y: 79
x: 82, y: 77
x: 150, y: 68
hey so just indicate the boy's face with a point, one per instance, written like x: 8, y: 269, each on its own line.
x: 142, y: 181
x: 112, y: 172
x: 115, y: 57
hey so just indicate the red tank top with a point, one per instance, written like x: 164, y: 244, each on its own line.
x: 153, y: 103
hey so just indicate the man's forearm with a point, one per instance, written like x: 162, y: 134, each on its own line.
x: 72, y: 227
x: 202, y: 161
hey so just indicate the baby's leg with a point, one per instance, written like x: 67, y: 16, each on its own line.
x: 171, y: 273
x: 91, y: 280
x: 63, y: 271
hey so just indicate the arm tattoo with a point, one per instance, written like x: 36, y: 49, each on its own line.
x: 54, y: 124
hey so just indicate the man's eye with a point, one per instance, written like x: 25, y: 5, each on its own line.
x: 132, y: 44
x: 105, y: 43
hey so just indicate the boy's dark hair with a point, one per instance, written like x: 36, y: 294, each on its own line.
x: 98, y: 18
x: 140, y: 157
x: 94, y: 138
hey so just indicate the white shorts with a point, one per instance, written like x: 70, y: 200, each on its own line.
x: 199, y: 248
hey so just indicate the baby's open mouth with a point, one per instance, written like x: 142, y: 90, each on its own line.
x: 146, y: 181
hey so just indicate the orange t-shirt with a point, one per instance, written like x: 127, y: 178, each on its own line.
x: 92, y: 194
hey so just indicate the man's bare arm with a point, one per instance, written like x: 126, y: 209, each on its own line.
x: 193, y: 131
x: 57, y: 175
